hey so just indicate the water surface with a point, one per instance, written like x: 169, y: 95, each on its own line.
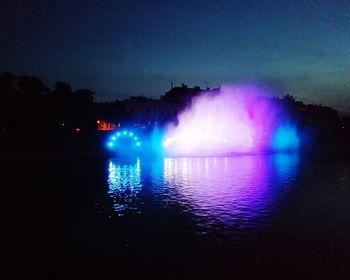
x: 282, y: 215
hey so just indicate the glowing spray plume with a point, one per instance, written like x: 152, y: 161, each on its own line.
x: 233, y: 120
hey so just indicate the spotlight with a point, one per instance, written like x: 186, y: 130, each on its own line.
x: 113, y: 138
x: 131, y: 134
x: 110, y: 144
x: 118, y: 134
x: 138, y: 144
x: 124, y: 132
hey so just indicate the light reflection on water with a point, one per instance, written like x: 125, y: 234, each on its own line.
x: 222, y: 191
x: 124, y: 181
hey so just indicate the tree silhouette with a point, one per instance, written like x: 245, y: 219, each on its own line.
x: 31, y: 87
x: 84, y: 96
x: 62, y: 90
x: 7, y: 83
x: 289, y: 99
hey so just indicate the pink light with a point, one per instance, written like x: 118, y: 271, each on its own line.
x: 235, y: 120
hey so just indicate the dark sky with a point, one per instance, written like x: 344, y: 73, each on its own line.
x: 121, y: 48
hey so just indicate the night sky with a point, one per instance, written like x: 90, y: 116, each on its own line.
x: 122, y: 48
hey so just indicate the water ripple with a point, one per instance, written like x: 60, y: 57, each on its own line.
x: 235, y: 193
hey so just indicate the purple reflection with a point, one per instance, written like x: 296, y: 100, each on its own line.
x: 238, y: 193
x: 235, y: 191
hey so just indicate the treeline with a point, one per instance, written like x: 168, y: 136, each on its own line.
x: 320, y: 128
x: 35, y: 117
x: 27, y: 103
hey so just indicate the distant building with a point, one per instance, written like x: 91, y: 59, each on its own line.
x: 181, y: 94
x: 102, y: 125
x: 147, y: 111
x: 143, y: 111
x: 184, y: 94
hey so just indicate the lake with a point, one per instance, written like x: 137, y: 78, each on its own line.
x: 282, y: 215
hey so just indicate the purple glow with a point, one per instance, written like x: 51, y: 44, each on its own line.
x: 237, y: 119
x: 238, y: 190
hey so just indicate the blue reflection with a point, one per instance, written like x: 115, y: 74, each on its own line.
x: 286, y: 164
x: 124, y: 182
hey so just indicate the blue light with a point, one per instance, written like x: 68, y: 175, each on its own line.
x: 285, y: 138
x: 124, y: 141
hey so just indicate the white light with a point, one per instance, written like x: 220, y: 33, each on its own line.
x: 168, y: 141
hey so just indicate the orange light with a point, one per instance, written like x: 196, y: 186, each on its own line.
x: 98, y: 121
x: 77, y: 129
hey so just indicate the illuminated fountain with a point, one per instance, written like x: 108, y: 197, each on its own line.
x: 234, y: 120
x: 124, y: 142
